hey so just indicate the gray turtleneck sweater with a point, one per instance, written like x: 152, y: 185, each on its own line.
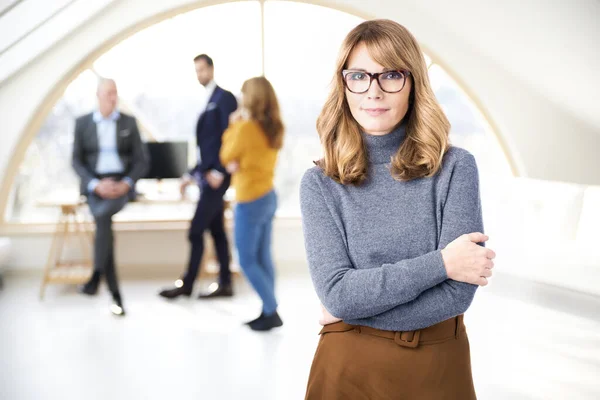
x: 374, y: 250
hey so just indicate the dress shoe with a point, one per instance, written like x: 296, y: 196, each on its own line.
x: 91, y: 287
x: 175, y: 292
x: 117, y: 306
x: 216, y: 290
x: 266, y: 322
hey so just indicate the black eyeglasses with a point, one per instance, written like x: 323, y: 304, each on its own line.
x: 360, y: 81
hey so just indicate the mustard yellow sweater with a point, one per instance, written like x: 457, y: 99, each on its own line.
x: 245, y: 142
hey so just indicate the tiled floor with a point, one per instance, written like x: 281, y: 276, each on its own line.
x: 528, y: 341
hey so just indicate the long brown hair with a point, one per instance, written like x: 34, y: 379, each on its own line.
x: 261, y: 103
x: 420, y: 155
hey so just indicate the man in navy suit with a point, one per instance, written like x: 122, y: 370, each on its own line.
x: 214, y: 182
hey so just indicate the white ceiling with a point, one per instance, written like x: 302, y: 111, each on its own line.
x: 553, y: 46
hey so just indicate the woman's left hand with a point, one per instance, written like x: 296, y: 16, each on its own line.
x: 233, y: 167
x: 236, y: 116
x: 326, y: 317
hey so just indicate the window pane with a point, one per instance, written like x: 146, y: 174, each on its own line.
x: 47, y: 163
x: 155, y: 75
x: 157, y: 83
x: 154, y: 68
x: 300, y: 63
x: 469, y: 128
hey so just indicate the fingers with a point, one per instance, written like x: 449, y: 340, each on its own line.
x: 485, y: 263
x: 486, y: 273
x: 481, y: 281
x: 477, y: 237
x: 326, y: 317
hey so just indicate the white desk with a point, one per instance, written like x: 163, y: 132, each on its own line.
x: 73, y: 224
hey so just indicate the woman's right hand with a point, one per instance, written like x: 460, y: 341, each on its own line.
x: 466, y: 261
x: 326, y: 317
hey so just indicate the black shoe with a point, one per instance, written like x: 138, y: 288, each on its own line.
x: 91, y: 287
x: 176, y: 292
x: 266, y: 322
x: 262, y: 314
x: 216, y: 290
x: 117, y: 306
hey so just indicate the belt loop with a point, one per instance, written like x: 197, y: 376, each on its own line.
x: 459, y: 322
x: 412, y: 343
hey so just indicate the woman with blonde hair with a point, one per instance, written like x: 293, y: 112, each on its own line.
x: 249, y: 151
x: 392, y: 226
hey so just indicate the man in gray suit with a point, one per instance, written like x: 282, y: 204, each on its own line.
x: 109, y: 157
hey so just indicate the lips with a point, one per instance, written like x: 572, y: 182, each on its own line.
x: 374, y: 112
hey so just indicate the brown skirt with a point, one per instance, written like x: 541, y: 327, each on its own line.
x: 356, y: 362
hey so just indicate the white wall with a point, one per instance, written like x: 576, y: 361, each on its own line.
x: 150, y: 253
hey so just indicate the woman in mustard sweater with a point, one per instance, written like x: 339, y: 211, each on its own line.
x: 249, y: 151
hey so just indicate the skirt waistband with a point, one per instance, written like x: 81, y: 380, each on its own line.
x: 450, y: 329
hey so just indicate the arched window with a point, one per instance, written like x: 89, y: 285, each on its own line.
x: 293, y: 44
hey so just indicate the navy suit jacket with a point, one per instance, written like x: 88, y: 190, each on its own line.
x: 209, y: 131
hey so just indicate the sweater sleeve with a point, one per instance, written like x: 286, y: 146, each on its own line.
x: 345, y: 291
x: 461, y: 214
x: 233, y: 144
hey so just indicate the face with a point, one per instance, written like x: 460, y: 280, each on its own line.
x: 204, y: 72
x: 107, y: 97
x: 376, y: 111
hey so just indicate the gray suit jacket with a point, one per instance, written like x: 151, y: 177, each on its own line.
x: 132, y: 151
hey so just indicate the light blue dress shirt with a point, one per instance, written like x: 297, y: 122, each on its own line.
x: 108, y: 154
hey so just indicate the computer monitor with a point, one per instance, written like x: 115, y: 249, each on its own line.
x: 167, y: 159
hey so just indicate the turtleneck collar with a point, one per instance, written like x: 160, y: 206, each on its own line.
x: 381, y: 148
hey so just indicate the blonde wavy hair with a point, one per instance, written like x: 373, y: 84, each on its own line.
x: 420, y: 155
x: 260, y: 102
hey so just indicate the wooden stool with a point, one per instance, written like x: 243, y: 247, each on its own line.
x: 70, y: 223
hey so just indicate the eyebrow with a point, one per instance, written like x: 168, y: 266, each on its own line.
x: 364, y: 70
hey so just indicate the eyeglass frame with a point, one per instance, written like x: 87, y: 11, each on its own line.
x: 374, y: 75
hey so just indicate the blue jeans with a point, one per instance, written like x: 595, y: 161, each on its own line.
x: 253, y: 231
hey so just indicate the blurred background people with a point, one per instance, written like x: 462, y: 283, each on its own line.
x: 109, y: 157
x: 214, y: 182
x: 506, y: 107
x: 249, y: 151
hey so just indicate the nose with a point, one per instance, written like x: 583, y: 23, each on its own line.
x: 374, y: 91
